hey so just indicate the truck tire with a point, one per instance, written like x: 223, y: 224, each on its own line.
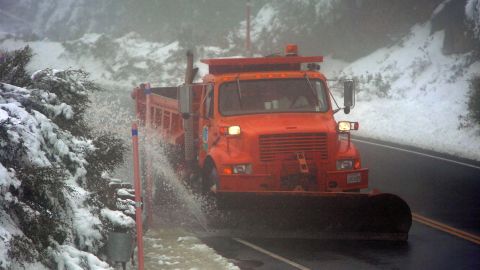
x: 209, y: 180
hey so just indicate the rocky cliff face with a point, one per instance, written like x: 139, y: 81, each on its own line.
x: 156, y: 20
x: 351, y: 29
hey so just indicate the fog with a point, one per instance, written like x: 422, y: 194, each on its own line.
x: 345, y: 29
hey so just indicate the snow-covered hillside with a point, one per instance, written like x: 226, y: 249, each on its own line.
x: 411, y: 93
x: 122, y: 62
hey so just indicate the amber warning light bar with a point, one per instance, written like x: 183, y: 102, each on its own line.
x: 291, y: 61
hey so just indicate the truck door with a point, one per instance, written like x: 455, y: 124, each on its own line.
x: 206, y: 127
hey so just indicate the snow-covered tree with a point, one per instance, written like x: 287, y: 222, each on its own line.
x: 51, y: 166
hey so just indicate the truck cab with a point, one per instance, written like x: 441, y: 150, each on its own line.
x: 267, y: 125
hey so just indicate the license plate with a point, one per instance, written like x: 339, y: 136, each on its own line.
x: 353, y: 178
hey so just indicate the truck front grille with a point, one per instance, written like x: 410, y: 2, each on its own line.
x: 281, y: 146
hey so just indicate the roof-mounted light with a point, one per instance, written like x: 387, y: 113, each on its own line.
x: 291, y: 50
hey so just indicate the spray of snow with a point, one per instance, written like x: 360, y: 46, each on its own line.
x: 155, y: 150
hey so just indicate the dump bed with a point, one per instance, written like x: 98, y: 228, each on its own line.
x: 165, y: 117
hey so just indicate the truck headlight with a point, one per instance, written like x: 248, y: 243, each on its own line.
x: 345, y: 164
x: 345, y: 126
x: 242, y: 169
x: 233, y: 130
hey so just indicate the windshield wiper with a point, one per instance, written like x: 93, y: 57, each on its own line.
x: 239, y: 92
x: 312, y: 89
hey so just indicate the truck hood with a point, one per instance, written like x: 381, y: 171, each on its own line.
x: 282, y: 123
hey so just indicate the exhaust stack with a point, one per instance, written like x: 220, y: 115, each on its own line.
x: 188, y: 120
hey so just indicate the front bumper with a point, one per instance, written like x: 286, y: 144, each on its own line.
x: 347, y: 180
x: 344, y: 181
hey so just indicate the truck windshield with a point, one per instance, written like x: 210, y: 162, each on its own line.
x: 272, y: 96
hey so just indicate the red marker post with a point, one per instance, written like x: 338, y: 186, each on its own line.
x: 138, y: 196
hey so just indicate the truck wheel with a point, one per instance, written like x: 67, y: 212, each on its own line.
x: 195, y: 182
x: 210, y: 180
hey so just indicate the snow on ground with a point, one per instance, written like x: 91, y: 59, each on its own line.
x: 412, y: 94
x: 180, y: 250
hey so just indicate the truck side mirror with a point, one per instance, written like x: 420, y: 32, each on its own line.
x: 348, y: 95
x: 185, y: 100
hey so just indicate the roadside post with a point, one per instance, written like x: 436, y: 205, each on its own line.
x: 138, y: 196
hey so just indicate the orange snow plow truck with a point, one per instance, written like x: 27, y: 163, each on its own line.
x: 261, y: 134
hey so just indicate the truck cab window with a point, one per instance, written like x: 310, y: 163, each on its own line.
x: 208, y: 105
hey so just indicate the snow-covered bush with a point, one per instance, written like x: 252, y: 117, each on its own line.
x: 51, y: 170
x: 68, y: 91
x: 108, y: 155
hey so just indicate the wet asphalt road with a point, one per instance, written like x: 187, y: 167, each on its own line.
x: 426, y: 249
x: 438, y: 189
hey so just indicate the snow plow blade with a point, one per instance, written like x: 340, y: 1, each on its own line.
x: 313, y: 215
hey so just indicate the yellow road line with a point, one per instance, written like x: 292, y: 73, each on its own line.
x: 445, y: 228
